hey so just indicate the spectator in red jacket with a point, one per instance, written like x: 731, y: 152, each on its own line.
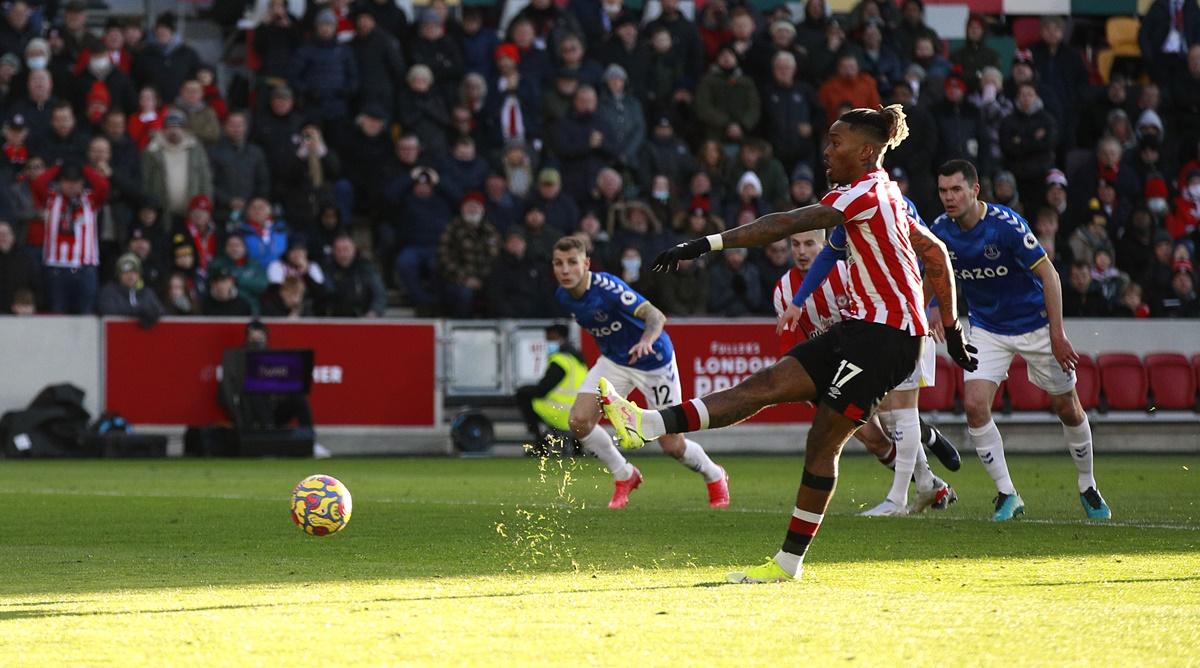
x: 148, y: 119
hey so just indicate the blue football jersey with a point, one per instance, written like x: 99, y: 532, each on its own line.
x: 993, y: 262
x: 606, y: 311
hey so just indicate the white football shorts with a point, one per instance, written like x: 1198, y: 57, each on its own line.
x: 925, y: 373
x: 996, y: 352
x: 660, y: 386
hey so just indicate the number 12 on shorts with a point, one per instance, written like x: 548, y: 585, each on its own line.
x: 851, y: 370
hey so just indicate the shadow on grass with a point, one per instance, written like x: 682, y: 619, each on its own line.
x: 1072, y: 583
x: 45, y: 614
x: 184, y: 535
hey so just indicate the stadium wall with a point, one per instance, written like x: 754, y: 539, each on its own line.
x: 370, y: 374
x: 46, y: 350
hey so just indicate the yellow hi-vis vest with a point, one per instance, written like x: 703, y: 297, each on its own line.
x: 555, y: 408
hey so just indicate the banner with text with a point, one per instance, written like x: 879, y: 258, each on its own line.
x: 363, y: 373
x: 716, y: 355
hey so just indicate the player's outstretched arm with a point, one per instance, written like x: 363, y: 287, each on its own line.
x: 1060, y: 346
x: 655, y: 321
x: 767, y: 229
x: 941, y: 278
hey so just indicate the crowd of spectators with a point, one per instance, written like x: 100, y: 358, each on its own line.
x: 443, y: 156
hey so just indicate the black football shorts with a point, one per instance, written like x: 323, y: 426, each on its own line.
x: 855, y: 364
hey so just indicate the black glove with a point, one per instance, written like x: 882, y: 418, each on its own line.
x: 668, y: 260
x: 960, y: 351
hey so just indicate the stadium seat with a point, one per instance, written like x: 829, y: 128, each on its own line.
x: 1124, y: 381
x: 1024, y: 395
x: 1087, y: 382
x: 961, y: 385
x: 1027, y: 30
x: 1196, y: 375
x: 1121, y: 33
x: 1172, y: 381
x: 940, y: 397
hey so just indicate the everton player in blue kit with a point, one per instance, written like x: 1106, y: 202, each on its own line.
x: 1015, y: 307
x: 635, y: 353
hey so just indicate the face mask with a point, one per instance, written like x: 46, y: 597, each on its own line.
x: 552, y: 347
x: 632, y: 264
x: 1157, y: 205
x: 182, y: 304
x: 473, y: 218
x: 1194, y: 191
x: 100, y: 67
x: 661, y: 195
x: 989, y: 92
x: 37, y: 62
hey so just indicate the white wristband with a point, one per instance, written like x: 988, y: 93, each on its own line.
x: 715, y: 243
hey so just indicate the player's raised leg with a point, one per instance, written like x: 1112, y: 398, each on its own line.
x: 783, y: 382
x: 585, y: 419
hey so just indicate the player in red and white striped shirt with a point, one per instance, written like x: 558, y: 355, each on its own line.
x: 824, y: 307
x: 849, y: 369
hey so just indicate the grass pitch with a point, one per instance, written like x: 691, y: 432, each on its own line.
x: 505, y: 562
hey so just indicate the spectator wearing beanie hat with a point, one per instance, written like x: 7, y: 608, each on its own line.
x: 1184, y: 219
x: 128, y: 296
x: 1056, y: 191
x: 166, y: 61
x: 201, y: 231
x: 727, y: 102
x: 324, y: 74
x: 512, y: 109
x: 962, y: 133
x: 175, y: 168
x: 466, y: 253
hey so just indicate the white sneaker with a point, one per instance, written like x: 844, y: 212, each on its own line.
x: 888, y: 508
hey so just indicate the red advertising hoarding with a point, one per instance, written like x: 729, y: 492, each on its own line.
x: 363, y: 374
x: 716, y: 355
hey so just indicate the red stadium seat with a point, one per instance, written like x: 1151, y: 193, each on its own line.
x: 1027, y: 30
x: 1025, y: 396
x: 940, y: 397
x: 1196, y: 374
x: 1087, y: 382
x: 1171, y: 380
x: 998, y: 401
x: 961, y: 383
x: 1124, y: 381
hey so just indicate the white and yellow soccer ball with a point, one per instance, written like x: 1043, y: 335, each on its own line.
x: 321, y: 505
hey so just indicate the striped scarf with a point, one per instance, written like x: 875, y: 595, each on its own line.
x: 71, y: 233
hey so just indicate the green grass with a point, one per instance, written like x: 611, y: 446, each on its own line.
x: 197, y: 563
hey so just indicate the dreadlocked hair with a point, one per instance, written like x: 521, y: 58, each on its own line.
x: 887, y: 126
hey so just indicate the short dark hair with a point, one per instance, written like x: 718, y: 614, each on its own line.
x: 558, y: 330
x: 571, y: 243
x: 1081, y: 264
x: 958, y: 166
x: 256, y: 325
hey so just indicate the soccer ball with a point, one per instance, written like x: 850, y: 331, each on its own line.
x: 321, y: 505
